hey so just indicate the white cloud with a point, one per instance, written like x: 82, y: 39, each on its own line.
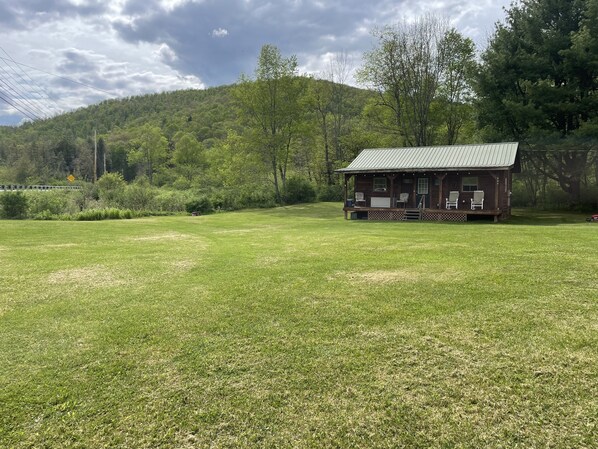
x: 130, y: 47
x: 166, y: 54
x: 220, y: 32
x: 101, y: 61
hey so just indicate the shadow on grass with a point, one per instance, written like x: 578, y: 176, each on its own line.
x: 531, y: 217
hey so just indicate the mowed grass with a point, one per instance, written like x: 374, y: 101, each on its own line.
x: 292, y: 327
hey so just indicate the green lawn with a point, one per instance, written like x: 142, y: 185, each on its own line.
x: 292, y: 327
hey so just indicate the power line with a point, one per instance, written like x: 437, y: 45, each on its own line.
x: 15, y: 96
x: 7, y: 100
x: 40, y: 91
x: 19, y: 95
x: 61, y: 77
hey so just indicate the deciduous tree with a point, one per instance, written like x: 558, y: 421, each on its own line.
x: 270, y: 106
x: 150, y: 148
x: 406, y: 69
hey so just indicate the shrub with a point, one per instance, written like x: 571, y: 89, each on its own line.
x: 171, y: 200
x: 201, y: 204
x: 226, y: 200
x: 299, y: 190
x: 111, y: 187
x: 104, y: 214
x: 53, y: 202
x: 257, y: 197
x: 14, y: 205
x: 138, y: 196
x: 334, y: 192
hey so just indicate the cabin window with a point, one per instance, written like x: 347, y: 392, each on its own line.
x: 470, y: 183
x: 379, y: 184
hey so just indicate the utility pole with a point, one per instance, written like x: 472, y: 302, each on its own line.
x: 95, y: 156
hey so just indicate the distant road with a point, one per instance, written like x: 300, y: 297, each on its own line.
x: 17, y: 187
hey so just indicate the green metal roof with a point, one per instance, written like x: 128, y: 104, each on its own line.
x: 448, y: 158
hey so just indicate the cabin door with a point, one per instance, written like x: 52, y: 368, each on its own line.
x: 423, y: 192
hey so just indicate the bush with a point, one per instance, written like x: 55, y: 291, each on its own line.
x: 334, y: 192
x: 139, y: 196
x: 299, y: 190
x: 226, y: 200
x: 171, y: 200
x: 104, y: 214
x: 111, y: 187
x: 257, y: 197
x: 201, y: 204
x: 14, y: 205
x: 53, y: 202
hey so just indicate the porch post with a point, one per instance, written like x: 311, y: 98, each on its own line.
x: 441, y: 179
x: 392, y: 190
x: 346, y: 194
x: 496, y: 189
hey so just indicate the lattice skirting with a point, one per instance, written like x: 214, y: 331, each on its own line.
x: 439, y: 216
x: 390, y: 215
x: 386, y: 215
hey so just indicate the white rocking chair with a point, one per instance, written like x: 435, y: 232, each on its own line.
x: 403, y: 198
x: 478, y: 200
x: 453, y: 199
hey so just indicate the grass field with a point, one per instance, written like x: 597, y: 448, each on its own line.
x: 292, y: 327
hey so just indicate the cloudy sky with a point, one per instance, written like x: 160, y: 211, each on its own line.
x: 129, y: 47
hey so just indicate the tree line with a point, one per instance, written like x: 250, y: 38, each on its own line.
x: 276, y: 131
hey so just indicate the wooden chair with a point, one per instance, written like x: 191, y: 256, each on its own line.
x: 453, y: 199
x: 478, y: 200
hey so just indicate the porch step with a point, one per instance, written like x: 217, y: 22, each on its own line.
x: 412, y: 215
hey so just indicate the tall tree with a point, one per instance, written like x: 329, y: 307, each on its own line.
x: 150, y: 148
x: 339, y: 71
x: 327, y: 99
x: 455, y: 89
x: 539, y: 84
x: 319, y: 99
x: 406, y: 69
x: 270, y: 107
x: 188, y: 155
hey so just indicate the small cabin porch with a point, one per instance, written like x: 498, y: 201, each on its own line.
x: 424, y: 196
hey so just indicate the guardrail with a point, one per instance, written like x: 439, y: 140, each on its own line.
x: 20, y: 187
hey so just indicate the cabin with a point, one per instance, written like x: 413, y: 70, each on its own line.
x: 440, y: 183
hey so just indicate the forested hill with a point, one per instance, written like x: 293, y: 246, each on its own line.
x: 48, y: 150
x: 206, y: 113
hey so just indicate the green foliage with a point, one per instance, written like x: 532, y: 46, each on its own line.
x: 415, y: 65
x: 171, y: 200
x: 189, y: 156
x: 331, y: 193
x: 13, y: 205
x: 104, y: 214
x: 149, y: 148
x: 45, y: 204
x: 539, y: 85
x: 201, y: 204
x: 299, y: 190
x: 111, y: 187
x: 191, y: 140
x: 270, y: 106
x: 139, y: 196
